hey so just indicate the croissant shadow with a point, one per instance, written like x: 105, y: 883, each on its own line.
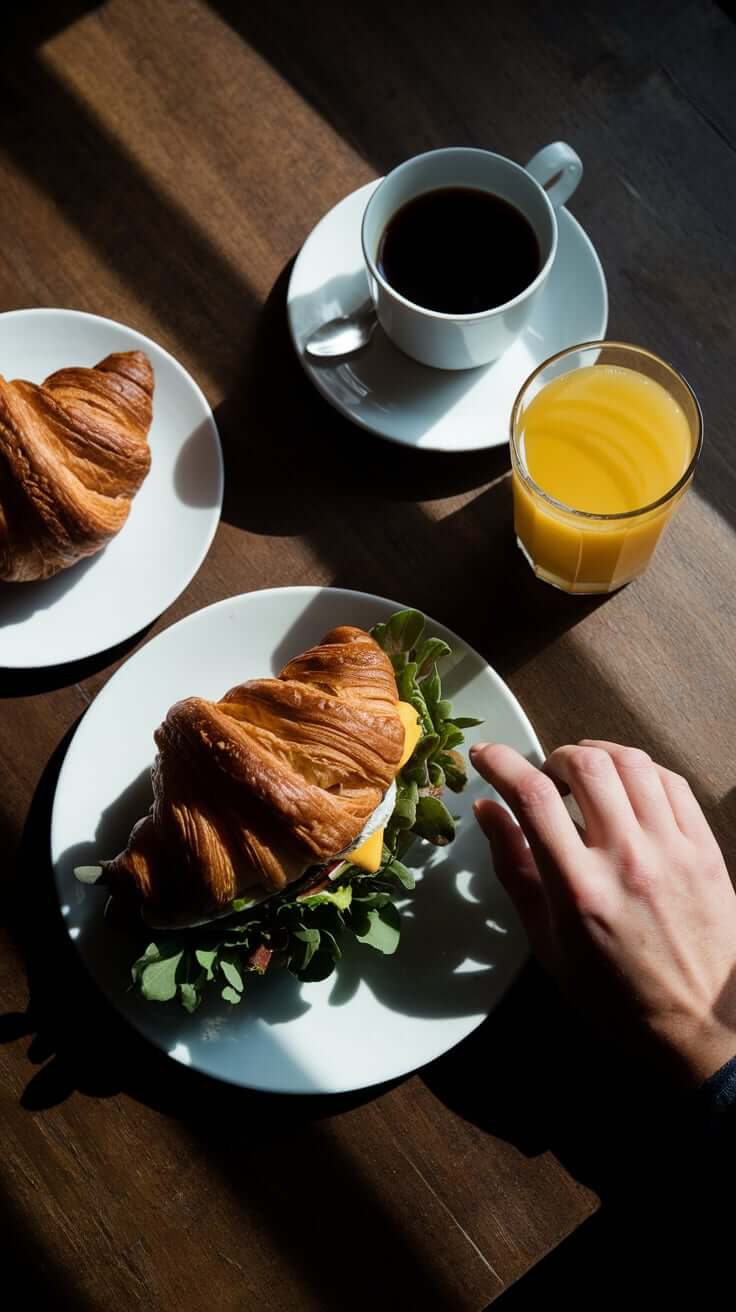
x: 197, y: 477
x: 18, y: 601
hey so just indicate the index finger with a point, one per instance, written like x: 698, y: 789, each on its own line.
x: 535, y: 801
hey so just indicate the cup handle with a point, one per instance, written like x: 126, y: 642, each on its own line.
x: 558, y: 169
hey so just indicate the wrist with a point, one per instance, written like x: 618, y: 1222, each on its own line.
x: 702, y: 1051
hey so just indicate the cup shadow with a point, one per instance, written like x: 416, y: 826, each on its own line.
x: 291, y: 456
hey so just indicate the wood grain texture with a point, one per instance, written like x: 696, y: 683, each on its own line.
x: 161, y: 164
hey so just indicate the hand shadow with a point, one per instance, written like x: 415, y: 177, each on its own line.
x: 539, y: 1076
x: 543, y: 1077
x: 460, y: 945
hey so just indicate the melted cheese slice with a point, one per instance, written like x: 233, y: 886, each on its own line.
x: 368, y: 856
x: 412, y: 730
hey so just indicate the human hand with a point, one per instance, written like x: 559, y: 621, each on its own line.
x: 635, y: 912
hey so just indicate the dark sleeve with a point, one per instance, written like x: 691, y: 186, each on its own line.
x: 716, y: 1100
x: 718, y: 1093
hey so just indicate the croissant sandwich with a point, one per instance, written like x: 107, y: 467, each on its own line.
x: 280, y: 800
x: 279, y: 776
x: 73, y: 454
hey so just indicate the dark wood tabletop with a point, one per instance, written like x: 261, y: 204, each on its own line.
x: 161, y: 164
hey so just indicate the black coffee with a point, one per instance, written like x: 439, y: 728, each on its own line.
x: 459, y: 250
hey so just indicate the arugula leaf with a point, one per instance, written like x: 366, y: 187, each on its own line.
x: 434, y: 821
x: 416, y: 769
x: 152, y: 953
x: 384, y: 929
x: 430, y: 653
x: 405, y: 806
x: 189, y: 996
x: 206, y: 958
x: 231, y: 971
x: 340, y: 897
x: 328, y: 943
x: 450, y: 736
x: 231, y: 995
x: 406, y: 681
x: 454, y: 767
x: 309, y: 938
x: 432, y: 691
x: 158, y: 979
x: 401, y: 632
x: 402, y: 873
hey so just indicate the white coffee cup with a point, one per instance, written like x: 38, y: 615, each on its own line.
x: 462, y: 341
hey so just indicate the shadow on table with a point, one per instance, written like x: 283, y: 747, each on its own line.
x: 27, y: 1264
x: 29, y: 683
x: 267, y: 1148
x: 297, y: 467
x: 289, y: 453
x: 537, y: 1075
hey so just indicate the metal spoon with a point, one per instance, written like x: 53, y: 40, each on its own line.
x: 345, y: 335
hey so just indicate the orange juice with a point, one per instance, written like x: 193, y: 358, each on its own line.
x: 606, y: 442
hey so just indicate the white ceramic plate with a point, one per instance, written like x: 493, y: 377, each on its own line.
x: 172, y: 520
x: 377, y: 1017
x: 384, y: 391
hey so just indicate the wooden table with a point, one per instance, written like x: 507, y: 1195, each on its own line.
x: 161, y: 164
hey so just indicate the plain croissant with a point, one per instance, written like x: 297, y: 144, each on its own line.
x: 73, y: 454
x: 278, y: 776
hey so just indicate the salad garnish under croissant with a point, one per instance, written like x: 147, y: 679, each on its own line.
x: 73, y: 454
x: 282, y: 811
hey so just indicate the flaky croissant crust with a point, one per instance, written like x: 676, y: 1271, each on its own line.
x: 279, y: 775
x: 73, y: 453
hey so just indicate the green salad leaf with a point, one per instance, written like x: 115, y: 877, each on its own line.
x: 302, y: 929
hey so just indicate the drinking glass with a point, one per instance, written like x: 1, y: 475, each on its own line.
x: 574, y: 549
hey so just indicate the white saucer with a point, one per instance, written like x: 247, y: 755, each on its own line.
x: 384, y: 391
x: 112, y: 595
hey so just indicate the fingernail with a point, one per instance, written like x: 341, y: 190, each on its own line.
x: 477, y: 747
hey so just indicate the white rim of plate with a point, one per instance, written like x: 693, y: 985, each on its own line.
x: 306, y: 591
x: 207, y: 543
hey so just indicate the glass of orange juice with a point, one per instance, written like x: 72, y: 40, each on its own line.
x: 604, y: 441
